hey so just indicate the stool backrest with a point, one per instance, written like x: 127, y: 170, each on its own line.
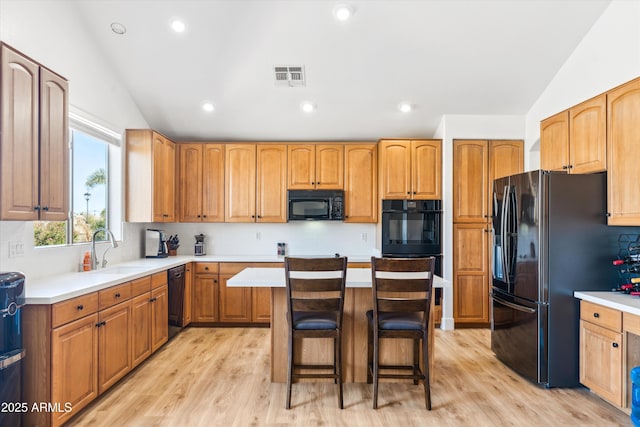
x: 402, y: 285
x: 315, y: 284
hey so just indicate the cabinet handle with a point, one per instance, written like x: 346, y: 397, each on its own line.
x: 206, y: 268
x: 570, y: 166
x: 414, y: 192
x: 215, y: 280
x: 197, y: 216
x: 118, y: 295
x: 408, y: 192
x: 80, y: 307
x: 103, y: 323
x: 487, y: 230
x: 259, y: 216
x: 615, y: 345
x: 153, y: 299
x: 204, y: 216
x: 98, y: 325
x: 596, y: 315
x: 608, y: 214
x: 36, y: 208
x: 253, y: 216
x: 318, y: 183
x: 46, y: 208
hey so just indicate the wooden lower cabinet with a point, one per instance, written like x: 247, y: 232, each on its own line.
x: 205, y: 293
x: 470, y: 273
x: 261, y: 305
x: 114, y: 344
x: 188, y: 294
x: 74, y: 371
x: 76, y: 351
x: 235, y: 303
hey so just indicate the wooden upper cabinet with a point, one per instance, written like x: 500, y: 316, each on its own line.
x: 554, y: 142
x: 588, y: 136
x: 411, y: 169
x: 315, y: 166
x: 426, y: 169
x: 240, y: 182
x: 506, y: 157
x: 34, y: 177
x: 201, y: 183
x: 150, y: 177
x: 361, y: 183
x: 271, y: 170
x: 470, y: 178
x: 623, y: 140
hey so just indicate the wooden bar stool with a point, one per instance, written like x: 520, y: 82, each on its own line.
x: 315, y: 303
x: 402, y: 289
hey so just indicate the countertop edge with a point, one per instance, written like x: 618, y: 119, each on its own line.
x: 617, y: 301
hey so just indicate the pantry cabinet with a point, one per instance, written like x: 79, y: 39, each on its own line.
x: 411, y: 169
x: 201, y: 182
x: 34, y: 143
x: 150, y: 177
x: 315, y: 166
x: 623, y: 140
x: 361, y: 183
x: 476, y: 163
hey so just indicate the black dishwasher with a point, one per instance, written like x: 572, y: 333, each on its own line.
x: 176, y: 300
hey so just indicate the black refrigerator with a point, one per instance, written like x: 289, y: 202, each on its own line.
x: 550, y: 239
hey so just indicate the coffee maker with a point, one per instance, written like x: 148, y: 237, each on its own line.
x: 199, y: 248
x: 155, y: 243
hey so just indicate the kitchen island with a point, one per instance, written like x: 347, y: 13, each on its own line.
x: 358, y: 300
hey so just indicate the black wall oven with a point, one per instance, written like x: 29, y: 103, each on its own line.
x: 412, y: 228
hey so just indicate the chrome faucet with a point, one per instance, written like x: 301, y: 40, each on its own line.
x: 94, y: 257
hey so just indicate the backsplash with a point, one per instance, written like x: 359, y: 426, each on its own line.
x: 301, y: 238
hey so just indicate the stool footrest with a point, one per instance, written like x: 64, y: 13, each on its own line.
x: 314, y: 376
x: 312, y: 366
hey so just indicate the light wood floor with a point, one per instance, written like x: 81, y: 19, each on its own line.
x: 220, y: 377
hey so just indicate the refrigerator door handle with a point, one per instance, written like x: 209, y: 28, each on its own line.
x: 512, y: 305
x: 503, y: 234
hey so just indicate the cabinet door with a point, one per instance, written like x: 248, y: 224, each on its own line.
x: 240, y: 181
x: 505, y: 158
x: 235, y: 303
x: 623, y: 140
x: 19, y: 170
x: 54, y: 147
x: 169, y: 181
x: 159, y: 164
x: 141, y: 334
x: 260, y: 305
x: 74, y: 365
x: 159, y: 317
x: 271, y: 202
x: 470, y: 178
x: 213, y: 183
x: 601, y: 361
x: 205, y: 298
x: 329, y: 166
x: 554, y: 142
x: 301, y: 166
x: 190, y: 182
x: 470, y: 273
x: 588, y: 136
x: 426, y: 170
x: 114, y: 344
x: 395, y: 169
x: 361, y: 183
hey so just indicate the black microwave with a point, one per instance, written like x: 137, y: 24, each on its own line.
x: 315, y: 205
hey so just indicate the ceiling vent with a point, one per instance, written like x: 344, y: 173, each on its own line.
x: 289, y: 75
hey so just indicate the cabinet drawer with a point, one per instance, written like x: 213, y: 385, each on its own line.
x: 206, y: 267
x: 75, y: 308
x: 158, y: 279
x: 631, y: 323
x: 602, y: 316
x: 140, y: 286
x: 114, y: 295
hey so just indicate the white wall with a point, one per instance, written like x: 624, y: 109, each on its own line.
x: 52, y: 33
x: 608, y: 56
x: 467, y: 127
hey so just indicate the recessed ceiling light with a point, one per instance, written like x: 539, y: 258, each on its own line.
x: 343, y: 12
x: 178, y: 26
x: 207, y: 106
x: 118, y: 28
x: 405, y: 107
x: 308, y: 106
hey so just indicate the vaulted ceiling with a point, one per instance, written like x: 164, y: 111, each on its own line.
x: 440, y: 56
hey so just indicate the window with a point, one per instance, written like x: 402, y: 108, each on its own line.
x: 92, y: 153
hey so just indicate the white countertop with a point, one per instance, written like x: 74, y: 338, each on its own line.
x: 274, y: 278
x: 49, y: 290
x: 616, y: 300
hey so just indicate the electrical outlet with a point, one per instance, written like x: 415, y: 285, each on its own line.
x: 258, y: 236
x: 16, y: 249
x: 364, y: 237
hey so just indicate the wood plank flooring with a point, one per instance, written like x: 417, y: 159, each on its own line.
x: 220, y: 377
